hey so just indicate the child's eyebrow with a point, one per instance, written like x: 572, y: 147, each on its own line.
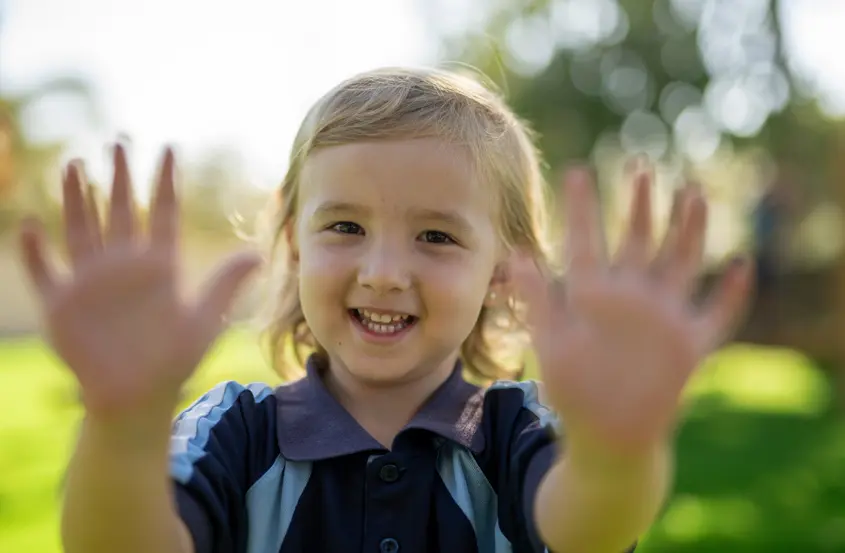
x: 447, y: 217
x: 335, y: 208
x: 450, y: 218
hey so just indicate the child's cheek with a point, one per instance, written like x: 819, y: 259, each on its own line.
x: 455, y: 284
x: 326, y: 260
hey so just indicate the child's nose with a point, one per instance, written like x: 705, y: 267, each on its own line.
x: 384, y: 269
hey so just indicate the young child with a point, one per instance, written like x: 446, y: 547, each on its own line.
x: 408, y: 236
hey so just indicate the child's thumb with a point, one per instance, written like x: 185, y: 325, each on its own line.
x: 220, y: 290
x: 532, y: 290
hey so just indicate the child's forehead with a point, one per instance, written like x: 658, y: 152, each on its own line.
x: 423, y: 173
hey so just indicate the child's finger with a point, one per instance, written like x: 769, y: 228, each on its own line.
x: 121, y: 224
x: 680, y: 198
x: 220, y: 290
x: 532, y: 289
x: 95, y: 226
x: 725, y: 306
x: 164, y: 212
x: 634, y: 251
x: 34, y: 259
x: 77, y: 226
x: 684, y: 261
x: 584, y: 236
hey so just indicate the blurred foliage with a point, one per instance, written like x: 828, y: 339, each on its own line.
x: 217, y: 196
x: 665, y: 76
x: 215, y: 190
x: 690, y: 83
x: 29, y: 168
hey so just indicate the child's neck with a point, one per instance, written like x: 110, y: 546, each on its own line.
x: 367, y: 402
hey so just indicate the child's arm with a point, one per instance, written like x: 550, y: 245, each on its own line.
x: 616, y: 346
x: 119, y: 324
x: 119, y: 493
x: 162, y: 487
x: 601, y: 505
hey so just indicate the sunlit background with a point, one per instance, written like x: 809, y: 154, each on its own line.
x: 745, y: 96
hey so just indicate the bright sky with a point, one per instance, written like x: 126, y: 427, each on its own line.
x: 202, y: 73
x: 815, y: 34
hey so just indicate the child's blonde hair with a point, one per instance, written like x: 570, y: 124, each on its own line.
x: 396, y: 104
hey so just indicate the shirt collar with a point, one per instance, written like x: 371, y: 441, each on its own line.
x: 312, y: 425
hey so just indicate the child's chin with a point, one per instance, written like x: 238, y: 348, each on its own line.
x: 383, y: 372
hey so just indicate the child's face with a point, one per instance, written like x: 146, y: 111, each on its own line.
x: 388, y: 230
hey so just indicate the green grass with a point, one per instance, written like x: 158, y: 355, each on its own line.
x: 761, y: 454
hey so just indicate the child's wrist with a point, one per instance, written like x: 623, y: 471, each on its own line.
x: 139, y: 428
x: 132, y: 404
x: 130, y: 436
x: 590, y: 455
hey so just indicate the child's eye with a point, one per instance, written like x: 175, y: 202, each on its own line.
x: 436, y: 237
x: 345, y: 227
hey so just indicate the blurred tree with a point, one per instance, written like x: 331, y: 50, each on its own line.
x: 217, y: 193
x: 678, y: 80
x: 28, y: 168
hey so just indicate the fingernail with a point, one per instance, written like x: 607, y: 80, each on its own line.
x: 78, y: 165
x: 638, y: 163
x: 577, y: 172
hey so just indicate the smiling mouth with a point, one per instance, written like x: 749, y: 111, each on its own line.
x: 383, y: 324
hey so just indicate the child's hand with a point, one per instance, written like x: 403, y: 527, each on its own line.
x: 117, y: 320
x: 618, y: 341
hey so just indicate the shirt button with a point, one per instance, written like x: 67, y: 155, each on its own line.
x: 389, y: 473
x: 389, y: 545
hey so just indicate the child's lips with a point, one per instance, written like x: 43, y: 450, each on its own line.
x: 382, y: 325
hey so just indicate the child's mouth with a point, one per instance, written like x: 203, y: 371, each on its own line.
x: 381, y: 323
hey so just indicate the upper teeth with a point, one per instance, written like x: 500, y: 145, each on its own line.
x: 381, y: 317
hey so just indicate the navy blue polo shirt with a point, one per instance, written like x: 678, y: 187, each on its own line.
x: 288, y: 470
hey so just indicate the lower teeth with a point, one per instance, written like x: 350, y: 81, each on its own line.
x: 385, y: 329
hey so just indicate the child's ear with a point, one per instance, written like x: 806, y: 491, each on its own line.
x: 290, y: 241
x: 499, y: 289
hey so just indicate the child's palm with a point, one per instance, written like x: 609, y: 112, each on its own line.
x: 618, y: 344
x: 118, y: 321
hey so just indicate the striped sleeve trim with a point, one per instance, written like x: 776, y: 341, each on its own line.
x: 192, y: 428
x: 532, y: 400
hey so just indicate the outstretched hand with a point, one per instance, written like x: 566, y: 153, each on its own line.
x: 117, y: 320
x: 617, y: 344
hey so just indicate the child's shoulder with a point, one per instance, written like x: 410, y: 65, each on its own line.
x: 228, y: 399
x: 230, y: 393
x: 230, y: 422
x: 525, y: 394
x: 529, y: 392
x: 531, y: 388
